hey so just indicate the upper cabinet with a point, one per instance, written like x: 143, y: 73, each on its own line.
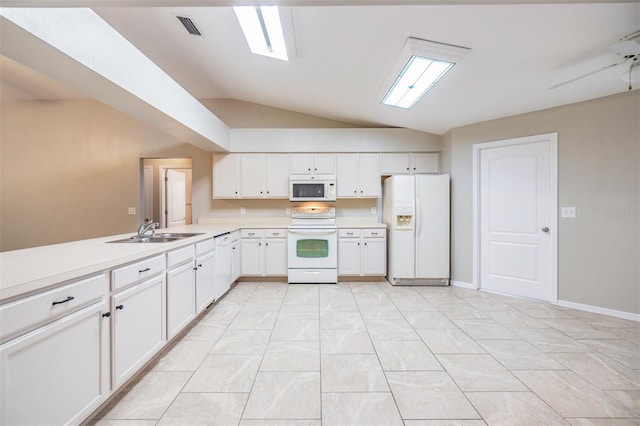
x: 265, y: 176
x: 358, y: 175
x: 410, y: 163
x: 251, y: 176
x: 226, y: 176
x: 313, y: 164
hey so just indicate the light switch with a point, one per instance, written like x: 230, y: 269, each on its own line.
x: 568, y: 212
x: 132, y: 210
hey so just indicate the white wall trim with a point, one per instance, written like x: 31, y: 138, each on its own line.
x: 462, y: 284
x: 553, y: 139
x: 598, y: 310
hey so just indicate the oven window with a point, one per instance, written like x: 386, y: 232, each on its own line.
x: 312, y: 248
x: 308, y: 190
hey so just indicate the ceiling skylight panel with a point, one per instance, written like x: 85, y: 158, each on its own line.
x: 422, y: 64
x: 264, y: 30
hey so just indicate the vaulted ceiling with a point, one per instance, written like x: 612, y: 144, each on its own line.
x: 345, y: 52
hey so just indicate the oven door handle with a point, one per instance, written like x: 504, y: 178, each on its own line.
x: 313, y: 231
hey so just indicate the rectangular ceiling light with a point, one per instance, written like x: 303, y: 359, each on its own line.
x: 264, y: 30
x: 419, y: 67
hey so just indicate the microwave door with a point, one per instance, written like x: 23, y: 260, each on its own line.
x: 308, y: 190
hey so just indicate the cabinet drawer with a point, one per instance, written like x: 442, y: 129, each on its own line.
x: 204, y: 246
x: 252, y: 233
x: 275, y: 233
x: 181, y: 255
x: 374, y: 233
x: 349, y: 233
x: 40, y: 308
x: 135, y: 272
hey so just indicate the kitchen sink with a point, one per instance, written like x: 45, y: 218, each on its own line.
x: 164, y: 237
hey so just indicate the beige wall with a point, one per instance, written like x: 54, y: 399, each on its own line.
x: 599, y: 163
x: 70, y: 169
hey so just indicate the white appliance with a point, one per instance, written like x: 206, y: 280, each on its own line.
x: 313, y: 245
x: 416, y: 211
x: 312, y: 188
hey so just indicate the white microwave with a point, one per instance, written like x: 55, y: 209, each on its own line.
x: 312, y: 188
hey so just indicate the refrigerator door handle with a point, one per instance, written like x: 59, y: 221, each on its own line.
x: 416, y: 219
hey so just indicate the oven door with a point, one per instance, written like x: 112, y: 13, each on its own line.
x: 312, y: 248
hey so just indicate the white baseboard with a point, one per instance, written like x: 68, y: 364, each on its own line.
x: 598, y: 310
x: 462, y: 284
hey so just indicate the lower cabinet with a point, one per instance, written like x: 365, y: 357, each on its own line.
x: 264, y: 252
x: 362, y: 251
x: 235, y: 256
x: 205, y: 280
x: 139, y: 331
x: 181, y: 298
x: 58, y: 373
x: 222, y: 281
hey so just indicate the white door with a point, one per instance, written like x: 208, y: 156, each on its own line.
x: 147, y: 210
x: 432, y: 228
x: 517, y: 217
x: 176, y: 196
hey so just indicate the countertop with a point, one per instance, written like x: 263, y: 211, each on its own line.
x: 33, y: 269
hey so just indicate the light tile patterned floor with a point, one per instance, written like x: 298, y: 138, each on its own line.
x: 375, y: 354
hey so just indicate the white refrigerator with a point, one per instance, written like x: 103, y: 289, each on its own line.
x: 417, y: 213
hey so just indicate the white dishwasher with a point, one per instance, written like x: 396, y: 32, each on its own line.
x: 222, y: 281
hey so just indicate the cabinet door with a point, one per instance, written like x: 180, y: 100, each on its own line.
x: 374, y: 254
x: 277, y: 175
x: 57, y: 374
x: 252, y: 257
x: 324, y: 164
x: 395, y: 163
x: 252, y: 173
x: 347, y: 175
x: 425, y: 162
x: 181, y: 298
x: 301, y: 164
x: 138, y: 327
x: 226, y: 176
x: 205, y: 276
x: 235, y: 261
x: 369, y: 176
x: 349, y: 256
x: 275, y: 255
x: 223, y: 266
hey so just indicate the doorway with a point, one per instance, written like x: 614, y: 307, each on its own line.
x: 515, y: 217
x: 166, y: 191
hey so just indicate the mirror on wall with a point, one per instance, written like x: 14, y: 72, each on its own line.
x: 165, y: 191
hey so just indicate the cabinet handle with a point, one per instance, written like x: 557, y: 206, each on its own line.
x: 407, y: 169
x: 365, y: 244
x: 199, y: 265
x: 106, y: 315
x: 355, y: 192
x: 68, y: 299
x: 120, y: 307
x: 361, y: 191
x: 358, y: 243
x: 144, y: 270
x: 275, y: 233
x: 309, y: 169
x: 349, y: 233
x: 259, y: 244
x: 261, y: 192
x: 266, y: 244
x: 233, y: 248
x: 195, y: 268
x: 315, y: 169
x: 414, y: 168
x: 374, y: 233
x: 267, y: 192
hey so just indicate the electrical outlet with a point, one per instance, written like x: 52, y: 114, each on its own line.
x: 568, y: 212
x: 374, y: 210
x: 132, y: 210
x: 243, y: 210
x: 287, y: 210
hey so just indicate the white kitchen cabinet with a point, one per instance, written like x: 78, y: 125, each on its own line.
x: 264, y: 252
x: 313, y: 164
x: 410, y: 163
x: 362, y: 251
x: 138, y: 315
x: 226, y: 176
x: 358, y: 175
x: 205, y: 267
x: 265, y: 176
x: 180, y: 298
x: 58, y: 373
x: 235, y: 256
x: 205, y: 281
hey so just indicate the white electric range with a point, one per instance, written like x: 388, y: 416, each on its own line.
x: 313, y: 245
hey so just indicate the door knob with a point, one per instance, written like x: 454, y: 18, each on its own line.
x: 545, y: 229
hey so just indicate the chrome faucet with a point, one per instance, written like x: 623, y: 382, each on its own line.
x: 146, y: 226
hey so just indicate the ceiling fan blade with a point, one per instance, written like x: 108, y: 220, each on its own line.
x: 606, y: 67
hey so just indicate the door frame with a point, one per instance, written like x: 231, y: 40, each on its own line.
x: 163, y: 191
x: 552, y: 138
